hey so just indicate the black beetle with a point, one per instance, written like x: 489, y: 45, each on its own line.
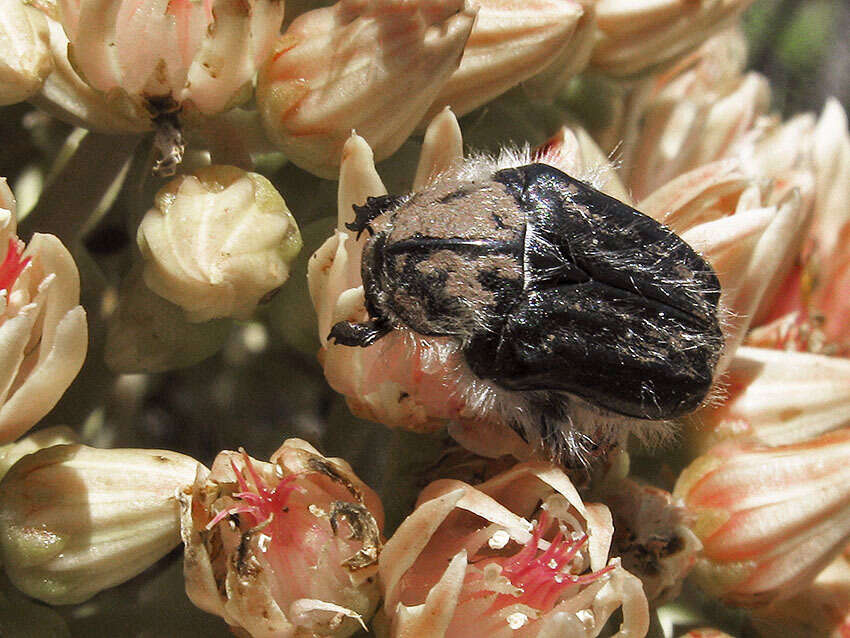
x: 552, y: 287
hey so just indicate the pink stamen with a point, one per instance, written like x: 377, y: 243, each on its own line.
x: 12, y: 266
x: 258, y: 501
x: 541, y: 579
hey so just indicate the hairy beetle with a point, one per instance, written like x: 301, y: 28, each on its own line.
x: 553, y: 289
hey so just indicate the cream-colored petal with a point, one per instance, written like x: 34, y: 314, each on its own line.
x: 441, y: 148
x: 50, y: 376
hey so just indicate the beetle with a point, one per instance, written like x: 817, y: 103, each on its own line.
x: 553, y: 289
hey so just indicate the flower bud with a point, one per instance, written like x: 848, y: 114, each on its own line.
x: 43, y: 334
x: 12, y: 452
x: 510, y: 42
x: 769, y: 518
x: 691, y: 121
x: 518, y: 555
x: 199, y: 55
x: 811, y: 309
x: 283, y: 548
x: 75, y: 520
x: 572, y: 60
x: 24, y: 51
x: 370, y: 65
x: 217, y: 242
x: 778, y: 398
x: 147, y: 333
x: 822, y: 609
x: 639, y: 37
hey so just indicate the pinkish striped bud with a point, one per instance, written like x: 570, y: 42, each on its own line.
x: 374, y: 66
x: 769, y: 518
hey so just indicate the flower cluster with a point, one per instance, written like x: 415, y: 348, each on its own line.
x: 617, y: 340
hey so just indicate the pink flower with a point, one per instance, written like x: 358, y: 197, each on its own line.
x: 519, y: 555
x: 370, y: 65
x: 283, y: 548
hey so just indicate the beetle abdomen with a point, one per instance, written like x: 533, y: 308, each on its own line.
x: 616, y: 308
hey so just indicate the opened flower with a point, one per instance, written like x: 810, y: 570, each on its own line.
x: 519, y: 555
x: 43, y: 334
x: 287, y: 548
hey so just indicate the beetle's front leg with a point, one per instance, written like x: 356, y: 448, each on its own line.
x: 350, y: 333
x: 372, y: 209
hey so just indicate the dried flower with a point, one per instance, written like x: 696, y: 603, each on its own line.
x: 75, y: 520
x: 651, y: 536
x: 43, y: 335
x: 769, y: 518
x: 198, y: 55
x: 287, y: 548
x: 24, y: 52
x: 518, y: 555
x: 217, y: 242
x: 371, y: 65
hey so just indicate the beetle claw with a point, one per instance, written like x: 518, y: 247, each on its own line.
x: 349, y: 333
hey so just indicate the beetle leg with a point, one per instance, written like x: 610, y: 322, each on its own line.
x: 349, y: 333
x: 372, y: 209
